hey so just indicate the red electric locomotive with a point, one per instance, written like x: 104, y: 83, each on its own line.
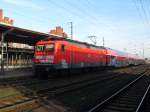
x: 63, y: 54
x: 60, y: 53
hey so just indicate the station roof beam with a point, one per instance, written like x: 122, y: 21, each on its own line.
x: 20, y: 35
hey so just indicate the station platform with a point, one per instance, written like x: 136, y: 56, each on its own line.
x: 17, y: 73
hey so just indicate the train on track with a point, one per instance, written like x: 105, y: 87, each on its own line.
x: 55, y: 53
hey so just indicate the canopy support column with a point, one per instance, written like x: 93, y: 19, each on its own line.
x: 2, y: 49
x: 2, y: 53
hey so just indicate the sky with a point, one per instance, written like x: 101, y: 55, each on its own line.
x: 124, y: 24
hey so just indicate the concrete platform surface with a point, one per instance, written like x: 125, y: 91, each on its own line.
x: 17, y: 73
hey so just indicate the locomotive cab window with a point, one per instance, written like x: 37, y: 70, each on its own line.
x: 49, y: 47
x: 39, y: 48
x: 63, y: 48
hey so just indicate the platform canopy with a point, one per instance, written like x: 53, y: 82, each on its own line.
x: 20, y: 35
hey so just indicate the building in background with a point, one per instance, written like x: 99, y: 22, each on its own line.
x: 59, y: 32
x: 5, y: 20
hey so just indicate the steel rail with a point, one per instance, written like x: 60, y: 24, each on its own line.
x: 115, y: 94
x: 143, y: 98
x: 87, y: 81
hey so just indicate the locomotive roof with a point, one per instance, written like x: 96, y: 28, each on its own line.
x: 124, y: 54
x: 75, y: 41
x: 121, y: 53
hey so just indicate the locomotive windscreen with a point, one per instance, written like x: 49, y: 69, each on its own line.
x: 40, y: 48
x: 46, y: 47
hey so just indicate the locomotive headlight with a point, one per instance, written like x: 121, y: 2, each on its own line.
x: 49, y: 57
x: 38, y: 57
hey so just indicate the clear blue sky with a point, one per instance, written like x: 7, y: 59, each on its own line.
x: 121, y: 22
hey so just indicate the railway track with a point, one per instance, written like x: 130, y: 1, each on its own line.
x: 130, y: 98
x: 30, y: 80
x: 47, y: 94
x: 16, y: 102
x: 75, y: 85
x: 145, y: 106
x: 38, y: 85
x: 53, y: 85
x: 42, y: 88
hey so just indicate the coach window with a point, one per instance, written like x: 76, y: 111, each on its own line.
x: 63, y: 48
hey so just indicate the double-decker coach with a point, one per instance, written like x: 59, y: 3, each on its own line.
x: 121, y: 59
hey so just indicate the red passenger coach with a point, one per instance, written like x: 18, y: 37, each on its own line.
x: 60, y: 53
x: 121, y: 59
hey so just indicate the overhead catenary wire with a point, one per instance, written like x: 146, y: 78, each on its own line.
x: 72, y: 12
x: 87, y: 13
x: 145, y: 14
x: 33, y: 19
x: 147, y: 7
x: 78, y: 13
x: 141, y: 17
x: 144, y: 19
